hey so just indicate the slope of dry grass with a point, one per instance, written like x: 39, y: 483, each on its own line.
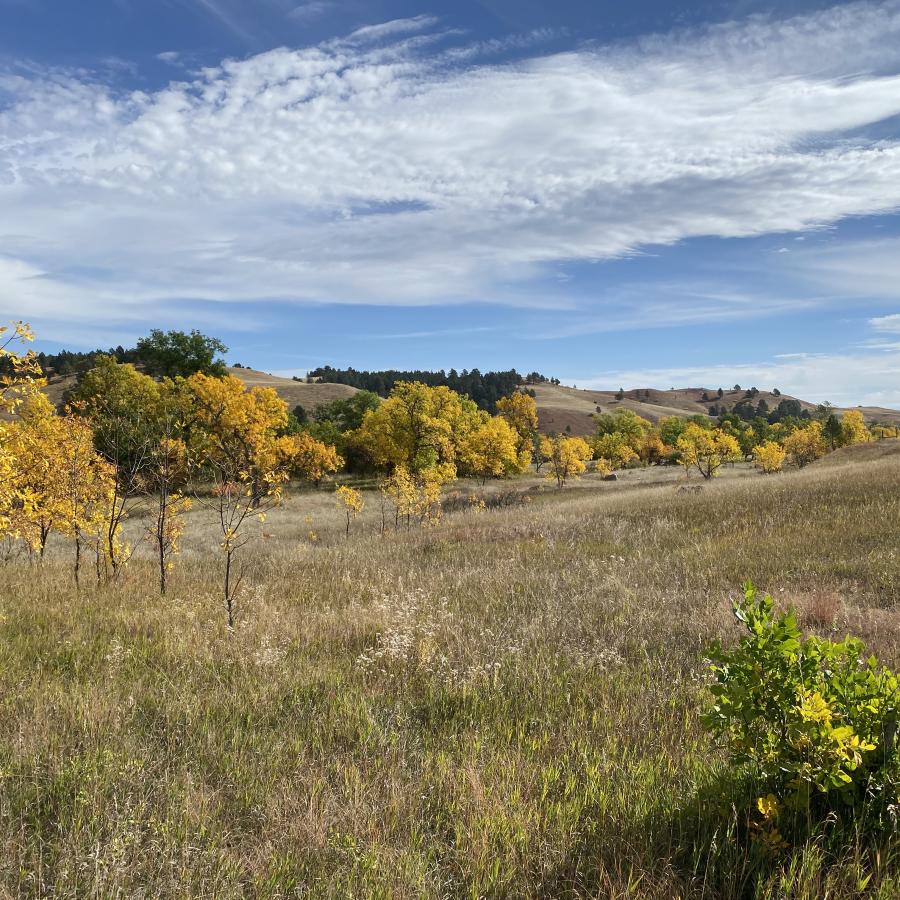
x: 501, y: 706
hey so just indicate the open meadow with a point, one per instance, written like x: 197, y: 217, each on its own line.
x: 505, y: 704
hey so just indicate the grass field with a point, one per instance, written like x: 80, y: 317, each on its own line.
x: 505, y: 705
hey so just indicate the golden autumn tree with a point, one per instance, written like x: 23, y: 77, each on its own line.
x: 706, y: 449
x: 492, y: 450
x: 853, y: 429
x: 128, y: 412
x: 310, y: 459
x: 615, y: 448
x: 805, y: 445
x: 566, y: 457
x: 520, y: 411
x: 769, y: 457
x: 20, y: 376
x: 351, y: 502
x: 417, y: 427
x: 235, y: 442
x: 166, y: 479
x: 88, y: 485
x: 35, y: 441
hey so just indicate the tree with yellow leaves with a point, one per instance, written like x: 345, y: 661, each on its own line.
x: 20, y: 376
x: 805, y: 445
x: 706, y: 449
x: 351, y: 502
x: 310, y: 459
x: 88, y: 486
x: 417, y: 427
x: 233, y: 443
x: 769, y: 457
x: 34, y: 442
x: 166, y: 478
x: 615, y: 449
x: 566, y: 456
x: 491, y: 450
x: 853, y: 428
x: 520, y: 411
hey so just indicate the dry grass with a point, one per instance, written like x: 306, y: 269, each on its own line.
x: 309, y: 396
x: 501, y: 706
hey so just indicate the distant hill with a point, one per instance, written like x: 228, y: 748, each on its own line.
x: 561, y: 408
x: 558, y: 406
x: 294, y: 393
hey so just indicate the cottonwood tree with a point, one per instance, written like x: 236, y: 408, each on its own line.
x: 566, y: 457
x: 520, y: 411
x: 491, y: 450
x: 351, y: 502
x: 769, y: 457
x: 236, y: 446
x: 805, y: 445
x: 706, y: 449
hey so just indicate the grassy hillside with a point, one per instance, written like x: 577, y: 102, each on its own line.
x: 309, y: 396
x: 559, y: 406
x: 505, y: 705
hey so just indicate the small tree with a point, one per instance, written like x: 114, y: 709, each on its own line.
x: 805, y: 445
x: 706, y: 449
x: 566, y: 456
x: 351, y: 502
x: 769, y: 457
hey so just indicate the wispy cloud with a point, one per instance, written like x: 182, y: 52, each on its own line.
x: 366, y: 170
x: 890, y: 323
x: 311, y: 10
x: 869, y: 379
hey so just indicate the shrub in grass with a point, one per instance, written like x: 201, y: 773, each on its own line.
x: 810, y: 718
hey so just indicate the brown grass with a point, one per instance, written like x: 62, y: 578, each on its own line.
x: 505, y: 705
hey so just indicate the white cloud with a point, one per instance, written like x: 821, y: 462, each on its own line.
x: 366, y: 170
x: 890, y: 323
x: 868, y: 379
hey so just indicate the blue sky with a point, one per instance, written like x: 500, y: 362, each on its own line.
x: 641, y: 194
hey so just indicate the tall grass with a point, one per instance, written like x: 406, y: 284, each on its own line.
x: 505, y: 705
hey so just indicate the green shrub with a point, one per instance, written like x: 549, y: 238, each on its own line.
x: 810, y: 718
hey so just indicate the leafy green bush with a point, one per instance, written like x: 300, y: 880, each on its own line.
x: 809, y: 717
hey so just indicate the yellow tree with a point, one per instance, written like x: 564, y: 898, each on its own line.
x: 566, y: 457
x: 417, y: 427
x: 34, y: 443
x: 166, y: 478
x: 130, y: 413
x: 805, y: 445
x: 351, y: 502
x: 769, y: 457
x: 492, y: 450
x: 20, y: 376
x: 615, y: 448
x: 853, y: 428
x: 706, y: 449
x: 310, y: 459
x: 233, y: 442
x: 520, y: 411
x: 88, y: 485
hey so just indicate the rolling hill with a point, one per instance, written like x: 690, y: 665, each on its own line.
x: 560, y: 408
x: 570, y: 409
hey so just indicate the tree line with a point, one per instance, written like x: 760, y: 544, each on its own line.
x: 484, y: 388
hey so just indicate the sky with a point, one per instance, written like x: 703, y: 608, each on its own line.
x: 642, y: 194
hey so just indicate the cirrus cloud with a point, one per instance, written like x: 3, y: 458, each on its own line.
x: 392, y: 167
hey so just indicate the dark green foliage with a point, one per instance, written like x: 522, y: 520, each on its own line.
x: 174, y: 354
x: 485, y: 388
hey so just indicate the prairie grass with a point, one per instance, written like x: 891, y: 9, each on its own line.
x: 505, y: 705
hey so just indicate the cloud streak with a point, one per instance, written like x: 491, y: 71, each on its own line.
x: 388, y: 167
